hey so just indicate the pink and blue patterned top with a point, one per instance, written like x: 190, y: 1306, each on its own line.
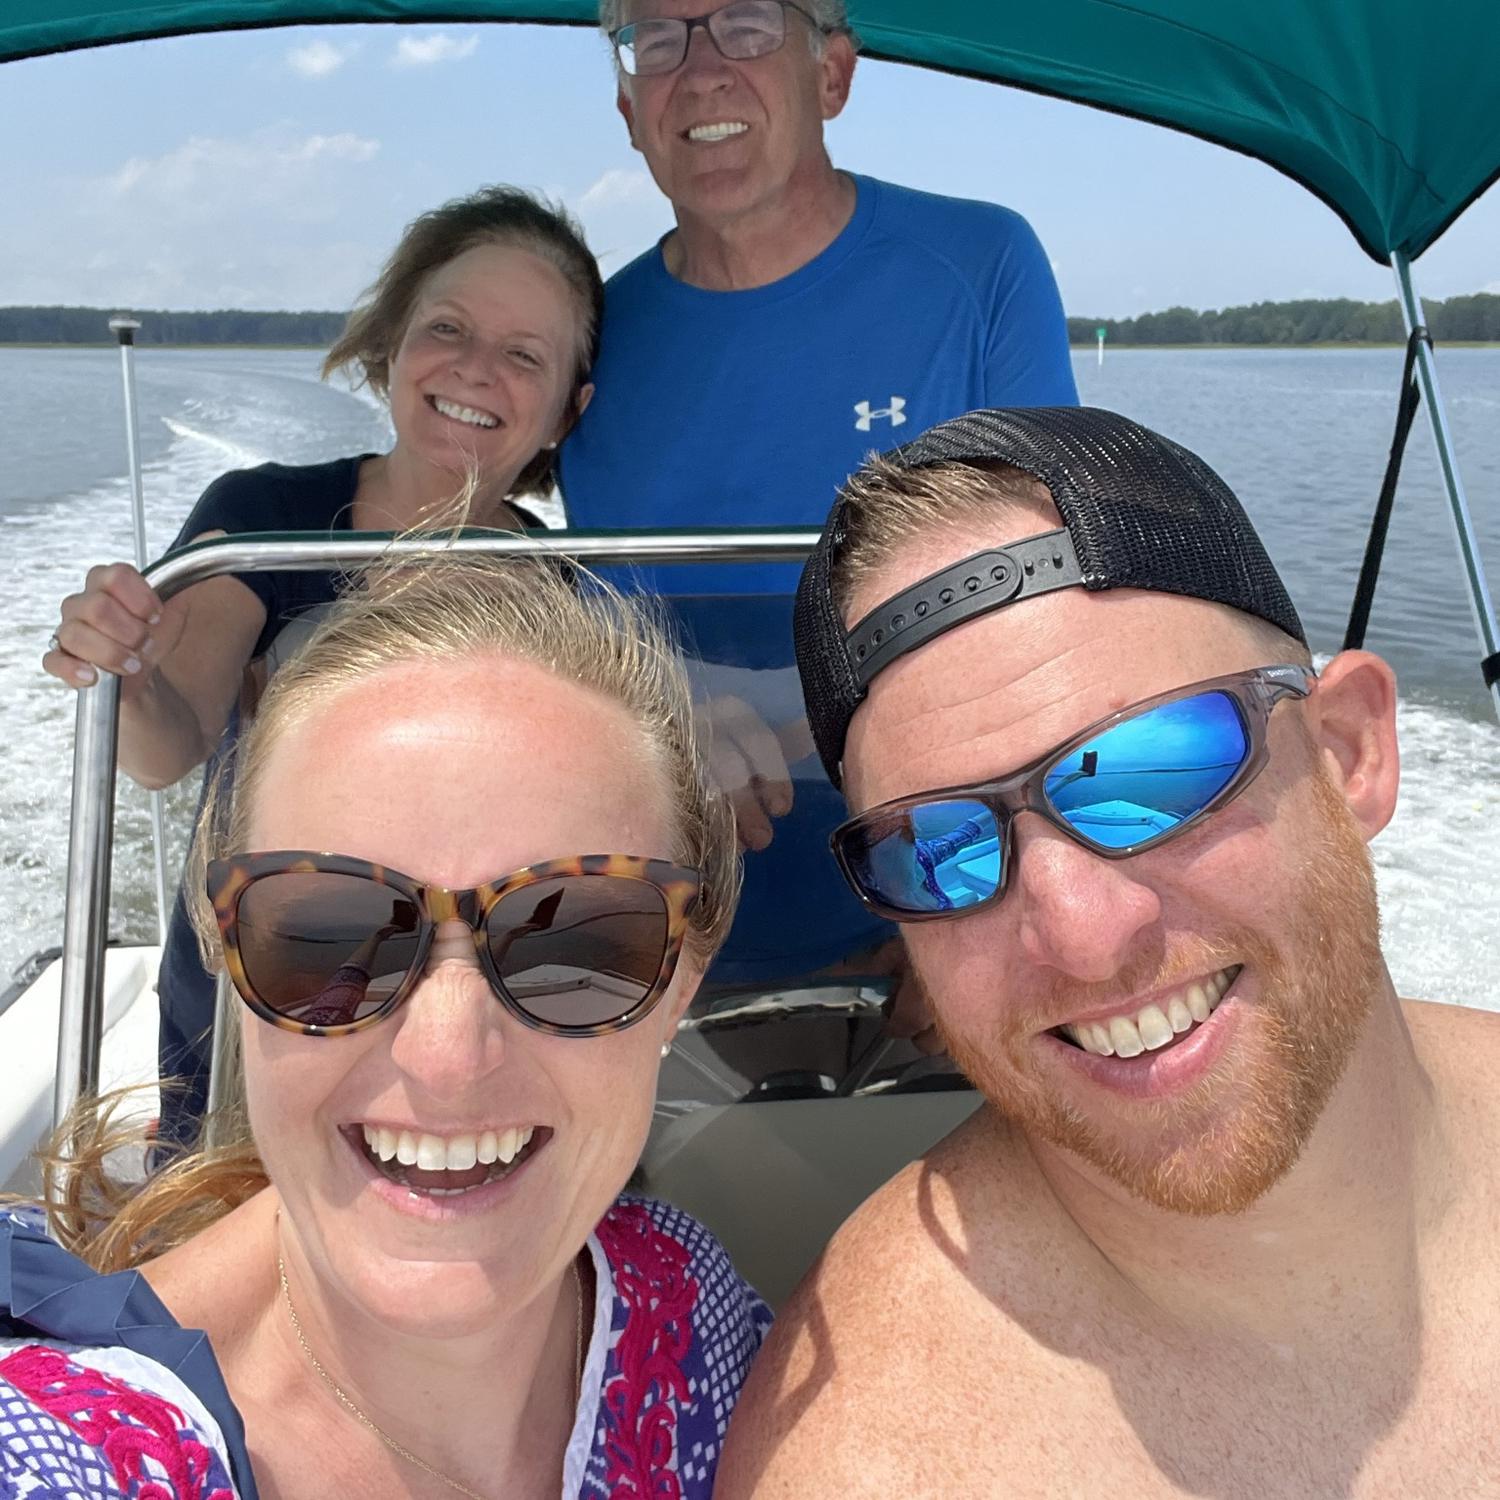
x: 103, y: 1396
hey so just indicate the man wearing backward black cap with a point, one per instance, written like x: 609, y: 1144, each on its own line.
x: 1227, y: 1224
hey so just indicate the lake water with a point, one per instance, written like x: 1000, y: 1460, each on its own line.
x: 1301, y: 436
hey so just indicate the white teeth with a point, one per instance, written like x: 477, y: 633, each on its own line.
x: 1154, y: 1027
x: 719, y: 131
x: 467, y: 414
x: 435, y: 1153
x: 1126, y: 1039
x: 1091, y: 1038
x: 1197, y: 1002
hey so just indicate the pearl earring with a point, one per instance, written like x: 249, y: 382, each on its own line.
x: 666, y: 1047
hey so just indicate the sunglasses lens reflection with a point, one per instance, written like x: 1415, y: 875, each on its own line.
x: 579, y: 950
x: 937, y: 856
x: 1139, y: 780
x: 1127, y: 787
x: 324, y: 949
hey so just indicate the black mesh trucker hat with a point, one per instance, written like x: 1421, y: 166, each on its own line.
x: 1139, y: 512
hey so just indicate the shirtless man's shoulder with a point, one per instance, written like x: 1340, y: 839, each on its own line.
x: 926, y: 1356
x: 1445, y: 1036
x: 885, y: 1322
x: 1458, y: 1047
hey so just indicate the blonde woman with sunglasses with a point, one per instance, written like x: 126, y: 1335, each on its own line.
x: 468, y: 877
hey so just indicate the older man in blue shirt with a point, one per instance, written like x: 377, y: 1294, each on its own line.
x: 798, y: 316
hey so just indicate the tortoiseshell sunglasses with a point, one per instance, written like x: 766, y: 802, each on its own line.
x: 325, y: 945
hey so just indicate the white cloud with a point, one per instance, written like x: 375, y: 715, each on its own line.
x: 258, y: 220
x: 205, y: 173
x: 622, y: 212
x: 619, y: 185
x: 318, y: 59
x: 346, y: 146
x: 1493, y: 287
x: 436, y: 47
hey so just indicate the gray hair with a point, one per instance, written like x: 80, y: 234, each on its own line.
x: 830, y: 16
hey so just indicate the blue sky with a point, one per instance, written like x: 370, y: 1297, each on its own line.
x: 276, y: 169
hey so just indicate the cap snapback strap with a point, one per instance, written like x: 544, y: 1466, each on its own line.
x: 974, y: 586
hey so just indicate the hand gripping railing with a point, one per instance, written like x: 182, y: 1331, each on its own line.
x: 90, y: 834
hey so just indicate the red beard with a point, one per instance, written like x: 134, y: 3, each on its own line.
x: 1219, y: 1146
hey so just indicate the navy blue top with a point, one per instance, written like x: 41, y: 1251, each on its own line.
x: 280, y: 497
x: 52, y: 1297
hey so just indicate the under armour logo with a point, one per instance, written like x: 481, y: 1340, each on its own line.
x: 896, y: 411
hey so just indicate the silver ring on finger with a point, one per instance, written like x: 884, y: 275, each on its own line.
x: 53, y: 644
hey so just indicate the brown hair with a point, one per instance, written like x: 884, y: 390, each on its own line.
x: 493, y: 215
x: 448, y: 606
x: 888, y: 506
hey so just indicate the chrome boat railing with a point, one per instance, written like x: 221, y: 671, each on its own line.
x: 91, y: 829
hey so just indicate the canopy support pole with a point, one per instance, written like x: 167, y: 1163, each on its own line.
x: 1458, y: 504
x: 1380, y: 523
x: 124, y: 330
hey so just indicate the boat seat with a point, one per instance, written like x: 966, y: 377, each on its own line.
x: 775, y: 1180
x: 785, y: 1100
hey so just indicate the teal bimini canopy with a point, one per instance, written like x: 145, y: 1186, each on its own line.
x: 1386, y: 109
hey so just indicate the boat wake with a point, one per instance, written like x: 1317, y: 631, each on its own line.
x: 231, y: 455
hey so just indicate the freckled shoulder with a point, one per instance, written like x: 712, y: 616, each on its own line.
x: 1458, y: 1024
x: 1459, y: 1045
x: 863, y: 1351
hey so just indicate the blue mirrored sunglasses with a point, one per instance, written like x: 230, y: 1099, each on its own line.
x: 1126, y: 784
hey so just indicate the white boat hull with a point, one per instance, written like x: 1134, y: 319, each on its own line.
x: 28, y: 1045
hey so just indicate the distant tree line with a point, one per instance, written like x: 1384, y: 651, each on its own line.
x: 1338, y: 320
x: 90, y: 325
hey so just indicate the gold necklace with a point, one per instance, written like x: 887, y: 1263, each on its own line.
x: 380, y: 1432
